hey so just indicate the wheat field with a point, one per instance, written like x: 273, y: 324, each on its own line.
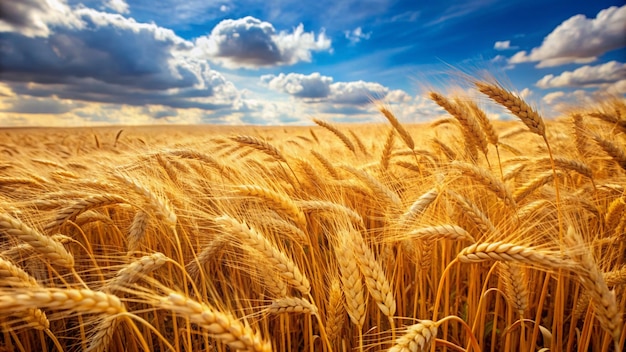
x: 463, y: 234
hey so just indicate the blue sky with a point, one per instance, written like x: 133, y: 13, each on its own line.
x: 94, y: 62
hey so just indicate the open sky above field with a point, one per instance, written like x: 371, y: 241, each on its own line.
x: 77, y: 63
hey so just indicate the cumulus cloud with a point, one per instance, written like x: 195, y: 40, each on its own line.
x: 313, y: 86
x: 586, y: 76
x: 318, y: 88
x: 251, y: 43
x: 119, y: 6
x: 113, y: 59
x: 34, y: 18
x: 579, y: 40
x: 356, y: 35
x: 357, y: 92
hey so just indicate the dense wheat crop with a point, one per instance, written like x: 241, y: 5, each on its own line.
x: 462, y: 234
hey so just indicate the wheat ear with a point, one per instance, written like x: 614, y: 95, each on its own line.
x: 346, y: 141
x: 279, y: 201
x: 380, y: 190
x: 222, y: 326
x: 516, y: 105
x: 79, y: 300
x: 260, y: 145
x: 160, y: 205
x: 417, y: 337
x: 613, y: 150
x: 615, y: 212
x: 478, y: 217
x: 509, y: 252
x: 515, y: 285
x: 471, y: 129
x: 327, y: 164
x: 292, y: 305
x: 135, y: 270
x: 352, y: 282
x: 404, y: 134
x: 137, y: 230
x: 385, y: 156
x: 70, y: 213
x: 322, y: 205
x: 487, y: 179
x: 335, y: 310
x: 285, y: 266
x: 49, y: 248
x: 593, y: 281
x: 532, y: 185
x: 432, y: 233
x: 419, y: 206
x: 375, y: 279
x: 14, y: 276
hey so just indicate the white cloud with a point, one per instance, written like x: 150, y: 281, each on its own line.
x: 503, y: 45
x: 356, y: 35
x: 251, y: 43
x: 318, y: 88
x: 34, y: 18
x: 579, y: 40
x: 119, y: 6
x: 525, y: 93
x: 224, y: 8
x: 356, y: 92
x: 313, y: 86
x: 550, y: 98
x: 586, y: 76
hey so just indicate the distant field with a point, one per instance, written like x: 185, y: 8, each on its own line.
x: 460, y: 234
